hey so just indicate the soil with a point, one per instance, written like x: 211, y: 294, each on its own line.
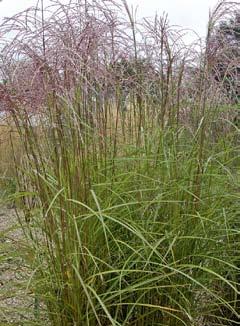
x: 16, y: 300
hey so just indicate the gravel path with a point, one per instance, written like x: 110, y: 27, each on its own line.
x: 16, y: 299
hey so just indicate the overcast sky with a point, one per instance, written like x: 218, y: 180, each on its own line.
x: 192, y: 14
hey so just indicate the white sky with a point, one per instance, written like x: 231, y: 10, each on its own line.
x: 192, y: 14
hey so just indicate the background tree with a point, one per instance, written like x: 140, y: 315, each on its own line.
x: 225, y: 45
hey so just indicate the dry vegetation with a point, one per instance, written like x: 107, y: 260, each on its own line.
x: 10, y: 150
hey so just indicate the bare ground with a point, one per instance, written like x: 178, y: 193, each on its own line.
x: 17, y: 302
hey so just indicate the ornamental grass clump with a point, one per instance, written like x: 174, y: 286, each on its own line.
x: 130, y: 196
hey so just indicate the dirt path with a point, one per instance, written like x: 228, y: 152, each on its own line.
x: 16, y: 299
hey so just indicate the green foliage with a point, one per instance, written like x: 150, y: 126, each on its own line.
x: 8, y: 187
x: 141, y: 237
x: 132, y: 215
